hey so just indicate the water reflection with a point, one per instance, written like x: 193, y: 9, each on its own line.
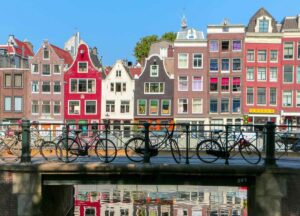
x: 159, y: 200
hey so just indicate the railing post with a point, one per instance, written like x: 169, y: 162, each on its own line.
x: 187, y: 142
x: 226, y: 145
x: 25, y: 156
x: 270, y: 141
x: 106, y: 137
x: 147, y: 143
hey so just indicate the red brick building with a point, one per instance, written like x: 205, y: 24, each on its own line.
x: 82, y: 90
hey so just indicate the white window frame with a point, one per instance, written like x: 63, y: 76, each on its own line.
x: 38, y: 87
x: 293, y: 51
x: 137, y: 107
x: 35, y: 113
x: 201, y: 84
x: 266, y: 53
x: 59, y: 67
x: 153, y: 114
x: 187, y: 106
x: 253, y: 55
x: 49, y: 92
x: 201, y: 66
x: 95, y: 107
x: 240, y: 65
x: 218, y: 47
x: 87, y: 66
x: 297, y: 98
x: 32, y: 68
x: 49, y: 107
x: 46, y: 75
x: 44, y: 54
x: 284, y: 73
x: 187, y: 61
x: 5, y: 104
x: 187, y: 82
x: 270, y: 96
x: 54, y: 113
x: 239, y: 49
x: 159, y: 86
x: 151, y: 70
x: 271, y: 56
x: 258, y: 77
x: 252, y: 96
x: 170, y: 107
x: 54, y: 92
x: 283, y: 98
x: 272, y: 79
x: 74, y: 109
x: 225, y: 71
x: 201, y: 105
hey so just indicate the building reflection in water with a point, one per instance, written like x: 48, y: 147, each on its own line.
x: 159, y: 200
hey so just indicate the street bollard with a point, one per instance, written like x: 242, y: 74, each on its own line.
x: 270, y: 141
x: 25, y: 156
x: 147, y: 143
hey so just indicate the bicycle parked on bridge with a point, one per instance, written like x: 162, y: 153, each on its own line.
x: 68, y: 148
x: 135, y: 149
x: 212, y: 149
x: 11, y: 146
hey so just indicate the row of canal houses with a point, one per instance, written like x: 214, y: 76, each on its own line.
x: 235, y: 75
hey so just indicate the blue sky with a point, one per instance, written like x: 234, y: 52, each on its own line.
x: 115, y: 26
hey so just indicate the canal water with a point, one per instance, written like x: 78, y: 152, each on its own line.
x: 159, y: 200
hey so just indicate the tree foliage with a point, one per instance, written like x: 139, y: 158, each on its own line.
x: 142, y: 47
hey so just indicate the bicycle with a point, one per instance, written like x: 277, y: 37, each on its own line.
x: 11, y: 147
x: 212, y: 149
x: 68, y: 149
x: 286, y: 141
x: 135, y: 147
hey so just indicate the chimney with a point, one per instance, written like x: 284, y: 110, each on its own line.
x: 170, y: 51
x: 95, y: 52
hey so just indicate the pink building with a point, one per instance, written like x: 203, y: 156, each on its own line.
x: 82, y: 88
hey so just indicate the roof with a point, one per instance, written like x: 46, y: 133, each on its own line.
x: 290, y: 23
x: 27, y: 50
x: 261, y: 12
x: 190, y: 34
x: 95, y: 60
x: 62, y: 54
x: 135, y: 71
x: 9, y: 48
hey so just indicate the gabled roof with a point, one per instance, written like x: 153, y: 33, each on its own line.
x: 8, y: 48
x: 65, y: 55
x: 290, y: 23
x: 261, y: 12
x: 27, y: 51
x: 135, y: 71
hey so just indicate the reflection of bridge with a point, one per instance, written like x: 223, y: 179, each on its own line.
x: 37, y: 187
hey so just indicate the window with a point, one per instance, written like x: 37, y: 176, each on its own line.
x: 154, y: 70
x: 273, y: 55
x: 46, y: 107
x: 34, y: 68
x: 73, y: 85
x: 236, y: 64
x: 298, y: 74
x: 153, y: 108
x: 213, y: 66
x: 287, y: 98
x: 90, y: 107
x: 7, y: 103
x: 225, y: 84
x: 82, y: 67
x: 298, y: 99
x: 236, y: 105
x: 142, y: 105
x: 165, y: 107
x: 213, y: 46
x: 34, y: 86
x: 213, y: 84
x: 46, y: 87
x: 183, y: 83
x: 261, y: 96
x: 273, y: 74
x: 34, y: 107
x: 224, y: 105
x: 250, y: 55
x: 110, y: 106
x: 250, y: 95
x: 112, y: 87
x: 18, y: 83
x: 46, y: 70
x: 182, y: 105
x: 225, y: 65
x: 197, y: 60
x: 262, y: 55
x: 154, y: 88
x: 7, y: 80
x: 288, y: 73
x: 90, y: 212
x: 92, y: 86
x: 56, y: 87
x: 236, y: 45
x: 118, y: 73
x: 273, y: 96
x: 225, y: 46
x: 197, y: 84
x: 124, y: 87
x: 82, y: 85
x: 197, y: 106
x: 118, y: 87
x: 56, y: 107
x: 213, y: 105
x: 56, y: 69
x: 288, y: 50
x: 261, y: 74
x: 124, y: 107
x: 250, y: 73
x: 263, y: 25
x: 74, y: 107
x: 236, y: 84
x: 46, y: 54
x: 182, y: 60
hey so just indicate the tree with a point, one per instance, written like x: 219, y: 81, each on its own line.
x: 169, y: 36
x: 142, y: 47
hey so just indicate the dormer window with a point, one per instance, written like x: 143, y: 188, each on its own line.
x: 263, y: 25
x: 82, y: 67
x: 154, y: 70
x: 46, y: 54
x: 191, y: 34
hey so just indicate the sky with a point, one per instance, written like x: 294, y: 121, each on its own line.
x: 115, y: 26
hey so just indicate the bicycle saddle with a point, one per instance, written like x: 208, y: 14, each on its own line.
x: 77, y: 131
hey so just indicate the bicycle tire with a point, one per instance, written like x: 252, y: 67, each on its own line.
x: 35, y: 148
x: 48, y: 151
x: 67, y: 150
x: 202, y: 150
x: 134, y: 149
x: 175, y: 151
x: 7, y: 154
x: 100, y: 150
x: 250, y: 153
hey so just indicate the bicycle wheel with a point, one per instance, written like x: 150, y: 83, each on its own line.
x: 250, y: 153
x: 175, y: 151
x: 67, y: 150
x: 135, y: 149
x: 100, y: 149
x: 48, y: 151
x: 205, y: 151
x: 10, y: 150
x: 35, y: 147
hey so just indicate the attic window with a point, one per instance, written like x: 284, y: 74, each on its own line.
x: 46, y: 54
x: 191, y: 34
x: 263, y: 25
x: 82, y: 67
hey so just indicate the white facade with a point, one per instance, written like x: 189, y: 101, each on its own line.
x: 118, y: 94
